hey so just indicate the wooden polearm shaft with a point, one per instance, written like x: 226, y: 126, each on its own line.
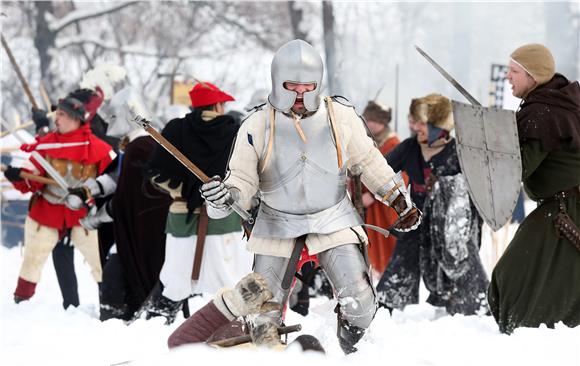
x: 19, y: 127
x: 234, y: 341
x: 50, y: 170
x: 23, y: 81
x: 168, y: 146
x: 33, y: 177
x: 177, y: 154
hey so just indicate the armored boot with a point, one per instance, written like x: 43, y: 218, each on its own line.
x: 348, y: 335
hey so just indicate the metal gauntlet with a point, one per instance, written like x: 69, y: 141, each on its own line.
x: 397, y: 196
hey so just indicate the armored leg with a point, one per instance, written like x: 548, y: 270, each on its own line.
x: 273, y: 269
x: 348, y: 273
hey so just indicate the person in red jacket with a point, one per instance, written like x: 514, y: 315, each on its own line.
x: 380, y: 248
x: 77, y: 155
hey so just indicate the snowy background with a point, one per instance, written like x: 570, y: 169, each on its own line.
x: 367, y: 47
x: 40, y: 332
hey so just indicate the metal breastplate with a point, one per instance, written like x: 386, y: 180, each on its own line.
x: 302, y: 188
x: 73, y: 172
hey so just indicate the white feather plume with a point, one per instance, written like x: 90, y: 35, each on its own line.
x: 105, y: 76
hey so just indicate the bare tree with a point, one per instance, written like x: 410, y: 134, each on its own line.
x: 296, y: 18
x: 561, y: 37
x: 334, y: 86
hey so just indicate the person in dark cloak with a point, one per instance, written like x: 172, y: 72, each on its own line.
x: 537, y: 279
x: 135, y: 209
x: 202, y: 254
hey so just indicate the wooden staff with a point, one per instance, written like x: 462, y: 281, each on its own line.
x: 45, y: 97
x: 19, y: 73
x: 19, y: 127
x: 234, y: 341
x: 33, y: 177
x: 245, y: 215
x: 8, y: 150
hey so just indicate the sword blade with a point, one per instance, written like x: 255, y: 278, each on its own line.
x: 43, y: 163
x: 449, y: 78
x: 58, y: 145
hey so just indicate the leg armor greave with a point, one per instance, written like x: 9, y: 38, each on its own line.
x: 349, y: 275
x: 273, y: 270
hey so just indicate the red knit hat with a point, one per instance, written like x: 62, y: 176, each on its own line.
x: 204, y: 94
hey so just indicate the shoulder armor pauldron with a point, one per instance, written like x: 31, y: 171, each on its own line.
x: 253, y: 110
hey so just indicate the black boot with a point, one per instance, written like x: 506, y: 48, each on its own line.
x: 114, y: 311
x: 348, y: 335
x: 158, y: 305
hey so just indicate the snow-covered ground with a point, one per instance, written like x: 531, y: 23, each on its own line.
x: 40, y: 332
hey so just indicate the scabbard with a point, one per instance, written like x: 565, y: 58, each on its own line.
x: 294, y: 258
x: 566, y: 228
x: 202, y: 224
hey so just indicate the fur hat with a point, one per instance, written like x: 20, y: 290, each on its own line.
x: 418, y: 110
x: 439, y: 111
x: 537, y: 60
x: 377, y: 112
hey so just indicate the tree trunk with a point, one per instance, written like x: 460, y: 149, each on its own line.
x: 296, y: 17
x: 332, y: 76
x: 44, y: 40
x: 561, y: 37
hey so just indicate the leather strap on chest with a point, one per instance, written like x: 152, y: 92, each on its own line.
x: 335, y: 133
x: 332, y: 121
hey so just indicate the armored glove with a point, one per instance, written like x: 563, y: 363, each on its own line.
x: 409, y: 216
x: 78, y: 198
x: 13, y: 174
x: 40, y: 120
x: 216, y: 194
x: 84, y: 196
x: 396, y: 195
x: 96, y: 218
x: 250, y: 296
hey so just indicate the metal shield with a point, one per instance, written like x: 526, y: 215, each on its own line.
x: 489, y: 155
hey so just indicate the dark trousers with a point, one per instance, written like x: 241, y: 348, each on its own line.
x: 64, y: 265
